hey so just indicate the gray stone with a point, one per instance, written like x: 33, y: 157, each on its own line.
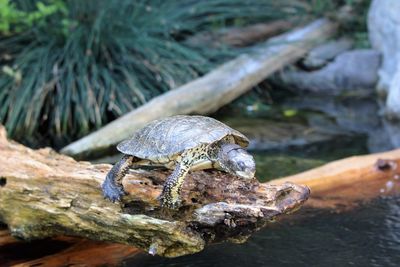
x: 351, y: 71
x: 393, y: 130
x: 393, y: 98
x: 352, y: 115
x: 384, y: 34
x: 321, y: 55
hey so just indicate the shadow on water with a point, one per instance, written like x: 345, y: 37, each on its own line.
x: 367, y: 236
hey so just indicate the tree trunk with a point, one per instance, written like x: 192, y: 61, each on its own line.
x: 43, y: 194
x: 212, y: 91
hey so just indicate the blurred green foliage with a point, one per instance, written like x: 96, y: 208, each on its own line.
x: 13, y: 20
x: 68, y: 67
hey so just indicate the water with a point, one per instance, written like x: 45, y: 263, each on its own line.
x: 278, y: 163
x: 367, y: 236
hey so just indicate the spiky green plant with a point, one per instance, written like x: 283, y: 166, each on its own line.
x: 88, y: 62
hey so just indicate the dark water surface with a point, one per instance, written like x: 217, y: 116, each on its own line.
x: 367, y: 236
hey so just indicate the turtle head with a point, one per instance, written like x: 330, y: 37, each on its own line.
x: 237, y: 161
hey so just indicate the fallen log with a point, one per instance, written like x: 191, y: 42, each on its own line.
x: 44, y: 194
x: 240, y: 36
x: 348, y: 182
x: 212, y: 91
x: 342, y: 184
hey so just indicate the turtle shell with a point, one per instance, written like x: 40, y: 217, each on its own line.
x: 170, y: 136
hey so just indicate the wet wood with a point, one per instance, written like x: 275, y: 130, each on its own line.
x: 240, y: 36
x: 85, y: 253
x: 212, y: 91
x: 338, y: 185
x: 62, y: 251
x: 345, y: 183
x: 342, y: 184
x: 45, y: 194
x: 6, y: 238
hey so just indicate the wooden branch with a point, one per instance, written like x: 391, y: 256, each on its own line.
x: 212, y: 91
x: 240, y: 36
x: 43, y: 194
x: 345, y: 183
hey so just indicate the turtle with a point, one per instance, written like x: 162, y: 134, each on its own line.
x: 181, y: 143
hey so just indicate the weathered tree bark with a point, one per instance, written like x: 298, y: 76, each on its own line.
x: 212, y: 91
x: 43, y: 194
x: 240, y: 36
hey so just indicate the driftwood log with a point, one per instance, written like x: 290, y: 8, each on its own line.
x: 340, y: 184
x: 44, y: 194
x: 212, y: 91
x: 240, y: 36
x: 348, y: 182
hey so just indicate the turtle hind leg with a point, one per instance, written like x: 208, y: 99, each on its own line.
x: 112, y: 185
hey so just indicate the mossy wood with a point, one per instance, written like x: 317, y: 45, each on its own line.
x: 44, y: 194
x: 212, y: 91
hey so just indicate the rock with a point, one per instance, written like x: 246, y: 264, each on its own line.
x: 384, y: 34
x: 358, y: 115
x: 393, y: 98
x: 393, y: 130
x: 321, y: 55
x: 351, y: 71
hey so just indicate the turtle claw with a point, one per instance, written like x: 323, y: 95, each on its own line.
x: 112, y: 192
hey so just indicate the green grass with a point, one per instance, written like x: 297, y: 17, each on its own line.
x: 88, y: 62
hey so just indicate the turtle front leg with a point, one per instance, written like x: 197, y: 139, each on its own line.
x: 170, y: 196
x: 112, y: 185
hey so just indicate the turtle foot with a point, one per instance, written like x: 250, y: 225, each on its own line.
x: 170, y: 203
x: 112, y: 192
